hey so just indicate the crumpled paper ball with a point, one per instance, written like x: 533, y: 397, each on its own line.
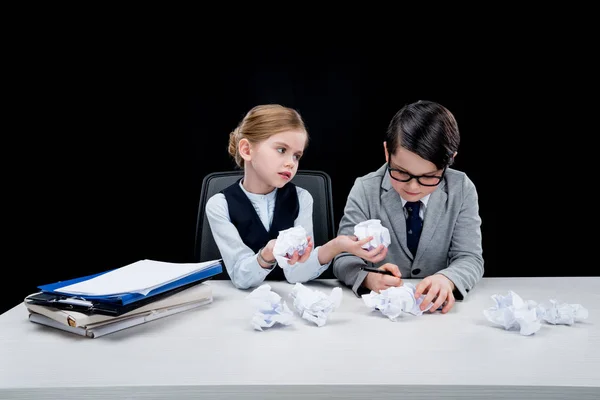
x: 288, y: 241
x: 513, y: 313
x: 372, y: 227
x: 269, y: 308
x: 314, y: 305
x: 394, y: 302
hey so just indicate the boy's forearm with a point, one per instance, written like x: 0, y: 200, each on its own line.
x: 465, y: 274
x: 347, y: 268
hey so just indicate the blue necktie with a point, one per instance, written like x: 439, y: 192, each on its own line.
x: 414, y: 225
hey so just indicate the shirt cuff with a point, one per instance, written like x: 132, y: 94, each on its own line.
x: 459, y: 292
x: 264, y: 271
x: 358, y: 288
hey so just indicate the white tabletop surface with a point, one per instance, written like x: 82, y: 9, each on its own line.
x: 214, y: 352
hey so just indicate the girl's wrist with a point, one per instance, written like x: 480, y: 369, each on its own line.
x: 265, y: 258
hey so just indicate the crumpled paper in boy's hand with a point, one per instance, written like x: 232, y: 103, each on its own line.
x: 558, y: 313
x: 269, y: 308
x: 372, y: 227
x: 314, y: 305
x: 513, y: 313
x: 394, y: 301
x: 288, y: 241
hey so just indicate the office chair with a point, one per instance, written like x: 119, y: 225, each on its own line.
x: 317, y: 183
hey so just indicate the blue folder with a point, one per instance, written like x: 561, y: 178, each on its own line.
x: 128, y: 298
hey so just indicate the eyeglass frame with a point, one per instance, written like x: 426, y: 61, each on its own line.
x: 411, y: 176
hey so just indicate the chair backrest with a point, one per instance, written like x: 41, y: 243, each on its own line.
x: 317, y: 183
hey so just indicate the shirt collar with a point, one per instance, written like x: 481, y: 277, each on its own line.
x: 259, y: 197
x: 424, y: 200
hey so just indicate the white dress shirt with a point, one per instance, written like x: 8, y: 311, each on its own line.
x: 422, y: 209
x: 241, y: 262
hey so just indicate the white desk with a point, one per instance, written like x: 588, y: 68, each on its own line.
x: 213, y: 352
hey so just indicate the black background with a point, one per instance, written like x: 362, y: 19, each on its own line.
x: 110, y: 137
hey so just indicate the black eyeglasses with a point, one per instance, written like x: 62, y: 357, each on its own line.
x: 425, y: 180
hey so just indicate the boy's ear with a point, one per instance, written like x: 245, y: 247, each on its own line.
x: 452, y: 158
x: 385, y: 151
x: 245, y: 149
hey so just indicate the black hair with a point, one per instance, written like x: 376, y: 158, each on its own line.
x: 427, y: 129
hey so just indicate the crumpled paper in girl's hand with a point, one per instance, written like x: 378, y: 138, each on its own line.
x: 288, y: 241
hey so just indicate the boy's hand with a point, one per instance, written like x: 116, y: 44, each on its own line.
x: 378, y: 282
x: 439, y: 291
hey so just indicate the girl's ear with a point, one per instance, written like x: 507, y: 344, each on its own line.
x: 245, y: 150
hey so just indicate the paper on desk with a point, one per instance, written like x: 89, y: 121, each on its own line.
x: 288, y: 241
x: 513, y: 313
x: 393, y: 302
x: 140, y: 277
x: 269, y: 308
x: 557, y: 313
x: 314, y: 305
x: 372, y: 227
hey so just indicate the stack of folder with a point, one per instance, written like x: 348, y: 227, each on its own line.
x: 111, y: 301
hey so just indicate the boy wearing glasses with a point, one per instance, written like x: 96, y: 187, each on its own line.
x: 430, y: 209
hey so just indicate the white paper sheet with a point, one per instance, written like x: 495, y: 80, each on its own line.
x: 140, y: 277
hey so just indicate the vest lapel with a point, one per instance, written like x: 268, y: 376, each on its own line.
x: 247, y: 205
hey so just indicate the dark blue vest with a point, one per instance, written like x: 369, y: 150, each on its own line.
x: 250, y: 227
